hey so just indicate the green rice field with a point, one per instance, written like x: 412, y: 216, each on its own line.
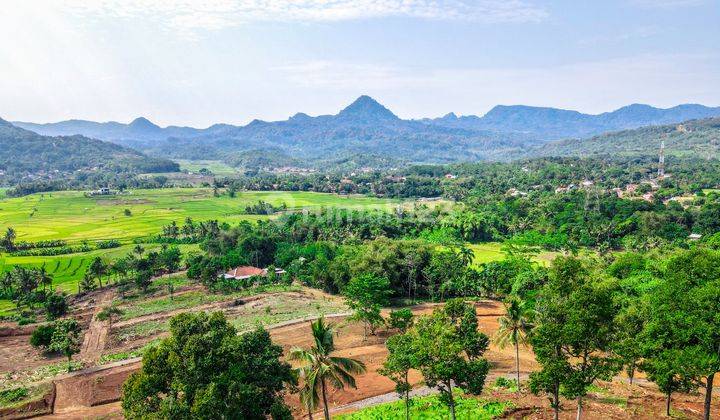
x: 492, y: 251
x: 71, y: 216
x: 75, y: 218
x: 215, y: 166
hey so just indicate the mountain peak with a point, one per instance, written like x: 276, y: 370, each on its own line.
x: 4, y: 123
x: 367, y: 109
x: 142, y: 123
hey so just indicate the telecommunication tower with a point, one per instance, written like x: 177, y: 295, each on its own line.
x: 661, y: 161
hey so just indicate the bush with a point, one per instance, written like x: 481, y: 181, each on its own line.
x: 55, y: 306
x: 42, y: 336
x: 112, y: 243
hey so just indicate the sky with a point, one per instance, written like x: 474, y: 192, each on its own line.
x: 196, y: 63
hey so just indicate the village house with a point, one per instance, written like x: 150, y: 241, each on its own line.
x: 246, y: 271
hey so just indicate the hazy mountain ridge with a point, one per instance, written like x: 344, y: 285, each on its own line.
x: 28, y: 153
x: 549, y: 124
x: 366, y: 126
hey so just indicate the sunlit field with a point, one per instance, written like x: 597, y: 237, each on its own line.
x: 215, y: 166
x: 72, y: 217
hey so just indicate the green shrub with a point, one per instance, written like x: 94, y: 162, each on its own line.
x: 42, y: 336
x: 11, y: 396
x: 431, y: 408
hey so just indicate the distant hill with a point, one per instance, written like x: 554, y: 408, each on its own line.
x: 549, y: 124
x: 367, y: 127
x: 363, y: 127
x: 695, y: 138
x: 26, y: 154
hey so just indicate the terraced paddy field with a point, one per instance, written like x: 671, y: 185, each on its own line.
x: 75, y: 218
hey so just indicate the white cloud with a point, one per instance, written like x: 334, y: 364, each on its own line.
x: 219, y: 14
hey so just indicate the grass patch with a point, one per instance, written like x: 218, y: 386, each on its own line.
x: 16, y: 397
x: 605, y: 396
x: 130, y: 354
x: 492, y: 251
x: 431, y: 407
x: 142, y: 330
x: 14, y: 379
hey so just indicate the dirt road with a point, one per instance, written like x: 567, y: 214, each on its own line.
x: 97, y: 333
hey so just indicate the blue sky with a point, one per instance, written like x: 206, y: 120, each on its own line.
x: 196, y: 63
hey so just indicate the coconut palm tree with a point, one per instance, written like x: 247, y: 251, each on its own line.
x: 320, y: 367
x: 44, y: 278
x: 9, y: 239
x: 466, y: 255
x: 515, y: 327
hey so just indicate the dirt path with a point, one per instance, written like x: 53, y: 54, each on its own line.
x: 96, y: 335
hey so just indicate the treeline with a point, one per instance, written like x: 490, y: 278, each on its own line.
x: 86, y: 180
x: 458, y: 181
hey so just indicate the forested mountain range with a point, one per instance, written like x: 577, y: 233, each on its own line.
x: 549, y: 124
x: 695, y: 139
x: 28, y: 154
x: 367, y: 127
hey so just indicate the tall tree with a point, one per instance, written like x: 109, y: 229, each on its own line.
x: 401, y: 359
x: 515, y: 327
x: 366, y: 295
x: 441, y: 355
x: 98, y: 269
x: 681, y: 337
x: 66, y: 339
x: 319, y: 367
x: 205, y: 370
x: 9, y: 239
x: 573, y: 334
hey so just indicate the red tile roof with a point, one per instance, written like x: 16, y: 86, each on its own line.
x: 245, y: 271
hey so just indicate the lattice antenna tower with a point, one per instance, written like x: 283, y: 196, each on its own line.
x: 661, y: 161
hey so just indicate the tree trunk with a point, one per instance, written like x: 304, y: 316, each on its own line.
x: 579, y: 410
x: 407, y: 397
x: 517, y: 363
x: 708, y: 394
x: 326, y: 410
x: 667, y: 404
x: 451, y: 401
x: 310, y: 413
x: 556, y: 404
x: 631, y: 372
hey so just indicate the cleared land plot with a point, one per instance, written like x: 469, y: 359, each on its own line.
x: 145, y: 321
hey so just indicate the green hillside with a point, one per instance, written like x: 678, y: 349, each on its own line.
x: 696, y: 138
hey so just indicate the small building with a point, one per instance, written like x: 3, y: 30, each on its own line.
x: 450, y: 176
x: 694, y: 236
x: 514, y: 192
x: 246, y: 271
